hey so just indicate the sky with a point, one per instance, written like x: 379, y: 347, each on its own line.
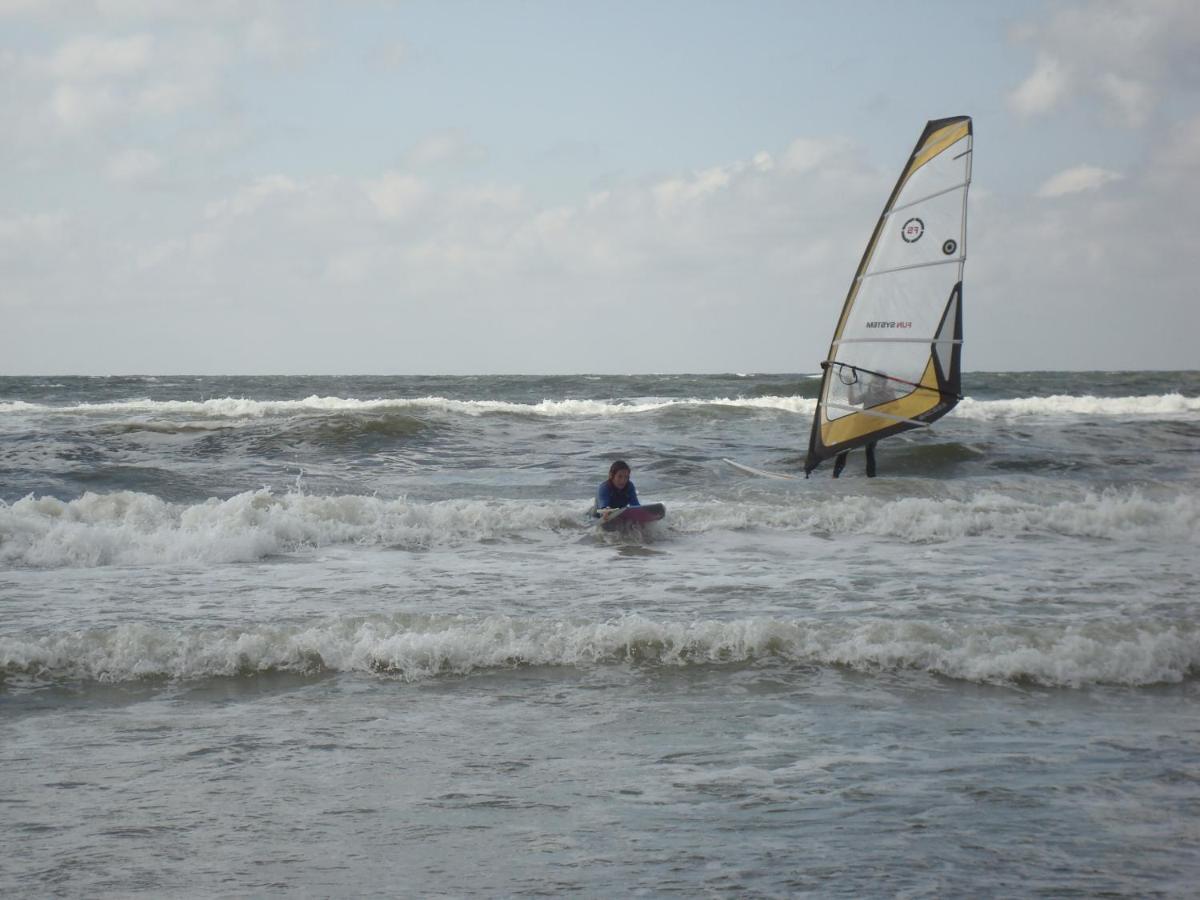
x: 372, y: 187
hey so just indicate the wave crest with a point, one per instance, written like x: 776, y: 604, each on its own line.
x: 130, y: 528
x: 1163, y: 405
x: 415, y: 648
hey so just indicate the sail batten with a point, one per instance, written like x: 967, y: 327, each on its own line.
x: 956, y: 187
x: 883, y: 415
x: 932, y: 340
x: 879, y: 377
x: 933, y: 262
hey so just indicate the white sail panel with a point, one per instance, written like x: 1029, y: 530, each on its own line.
x: 929, y: 232
x: 947, y: 169
x: 906, y: 306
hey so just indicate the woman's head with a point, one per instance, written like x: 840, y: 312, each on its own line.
x: 618, y: 473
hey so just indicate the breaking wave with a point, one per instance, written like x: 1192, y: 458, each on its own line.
x: 1109, y: 514
x: 1163, y: 405
x: 131, y: 528
x: 415, y: 648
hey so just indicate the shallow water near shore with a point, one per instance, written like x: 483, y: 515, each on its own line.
x: 355, y: 636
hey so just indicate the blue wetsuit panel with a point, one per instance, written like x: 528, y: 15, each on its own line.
x: 608, y: 497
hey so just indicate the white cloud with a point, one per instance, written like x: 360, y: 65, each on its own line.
x: 1076, y: 180
x: 673, y: 195
x: 449, y: 147
x: 43, y: 228
x: 397, y: 195
x: 76, y: 108
x: 89, y: 82
x: 1127, y: 56
x: 174, y: 10
x: 390, y: 57
x: 1129, y: 99
x: 807, y: 154
x: 91, y: 58
x: 279, y: 40
x: 1044, y: 89
x: 133, y: 166
x: 351, y: 267
x: 19, y: 7
x: 1176, y: 160
x: 250, y: 199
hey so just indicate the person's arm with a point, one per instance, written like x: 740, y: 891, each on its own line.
x: 603, y: 496
x: 633, y: 500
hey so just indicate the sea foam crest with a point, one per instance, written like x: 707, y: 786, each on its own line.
x: 243, y: 408
x: 129, y: 528
x: 1163, y: 405
x: 414, y: 648
x: 133, y: 528
x: 1108, y: 514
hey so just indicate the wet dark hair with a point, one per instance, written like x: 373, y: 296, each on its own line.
x: 619, y: 466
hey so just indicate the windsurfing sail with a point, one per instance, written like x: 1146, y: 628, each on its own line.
x: 895, y: 360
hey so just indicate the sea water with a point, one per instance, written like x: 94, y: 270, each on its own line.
x: 356, y: 637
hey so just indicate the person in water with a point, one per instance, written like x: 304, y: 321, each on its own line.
x: 839, y: 462
x: 618, y: 491
x: 867, y: 390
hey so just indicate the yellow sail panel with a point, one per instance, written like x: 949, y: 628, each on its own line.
x: 939, y: 141
x: 865, y: 424
x: 894, y: 362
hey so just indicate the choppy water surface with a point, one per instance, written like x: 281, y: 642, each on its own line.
x: 353, y: 636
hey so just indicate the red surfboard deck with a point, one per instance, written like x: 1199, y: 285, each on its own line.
x: 634, y: 515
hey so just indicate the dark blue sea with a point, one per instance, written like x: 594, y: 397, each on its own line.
x: 355, y: 637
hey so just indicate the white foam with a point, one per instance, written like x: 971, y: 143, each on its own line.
x: 135, y: 529
x: 1163, y: 406
x: 129, y: 528
x: 1109, y: 514
x: 415, y: 648
x: 242, y: 408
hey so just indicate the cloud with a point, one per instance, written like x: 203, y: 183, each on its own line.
x: 250, y: 199
x: 91, y: 58
x: 1175, y: 162
x: 133, y: 166
x: 806, y: 154
x: 90, y: 83
x: 177, y: 58
x: 390, y: 57
x: 741, y: 243
x: 1076, y: 180
x: 449, y: 147
x: 167, y: 10
x: 1044, y: 89
x: 19, y: 7
x: 41, y: 228
x: 675, y: 194
x: 397, y: 195
x: 1125, y: 56
x: 278, y: 40
x: 76, y: 108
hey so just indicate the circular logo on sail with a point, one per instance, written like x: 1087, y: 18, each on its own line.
x: 949, y: 247
x: 912, y: 230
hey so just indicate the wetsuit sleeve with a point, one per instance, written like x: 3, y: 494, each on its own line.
x: 632, y: 495
x: 603, y: 499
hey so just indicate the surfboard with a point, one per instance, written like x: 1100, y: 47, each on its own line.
x: 613, y: 519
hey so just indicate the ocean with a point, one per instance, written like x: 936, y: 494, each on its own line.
x: 356, y: 637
